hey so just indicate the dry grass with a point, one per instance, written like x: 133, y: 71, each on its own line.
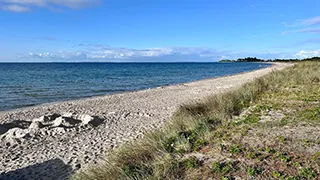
x: 209, y: 140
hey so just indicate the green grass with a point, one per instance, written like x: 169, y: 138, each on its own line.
x: 235, y: 149
x: 222, y: 168
x: 253, y: 171
x: 307, y: 173
x: 211, y: 128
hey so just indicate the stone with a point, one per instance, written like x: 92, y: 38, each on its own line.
x: 42, y: 119
x: 54, y: 116
x: 71, y: 122
x: 86, y: 119
x: 57, y: 122
x: 68, y: 115
x: 44, y: 132
x: 65, y: 122
x: 16, y: 133
x: 35, y: 125
x: 78, y: 166
x: 14, y: 136
x: 58, y: 130
x: 3, y: 130
x: 91, y: 120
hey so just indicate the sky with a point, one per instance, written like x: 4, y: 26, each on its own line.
x: 157, y: 30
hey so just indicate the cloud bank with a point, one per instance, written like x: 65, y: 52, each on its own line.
x: 307, y: 54
x: 102, y: 53
x: 110, y: 54
x: 311, y: 21
x: 15, y: 8
x: 20, y: 6
x: 306, y: 26
x: 306, y: 30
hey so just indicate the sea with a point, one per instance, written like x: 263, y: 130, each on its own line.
x: 29, y: 84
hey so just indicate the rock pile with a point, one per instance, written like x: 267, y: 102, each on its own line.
x: 19, y: 131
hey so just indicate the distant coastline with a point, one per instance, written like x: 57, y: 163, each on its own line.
x: 255, y: 59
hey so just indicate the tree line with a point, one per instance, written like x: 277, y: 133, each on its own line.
x: 254, y: 59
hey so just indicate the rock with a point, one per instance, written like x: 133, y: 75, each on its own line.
x: 58, y: 130
x: 71, y: 121
x: 15, y: 136
x: 44, y: 126
x: 35, y: 125
x: 91, y: 120
x: 54, y: 116
x: 86, y: 119
x: 65, y: 122
x: 42, y: 119
x: 125, y: 115
x: 77, y: 166
x: 68, y: 115
x: 16, y: 133
x: 45, y: 132
x: 57, y: 122
x: 3, y: 130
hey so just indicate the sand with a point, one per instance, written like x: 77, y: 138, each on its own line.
x: 66, y: 140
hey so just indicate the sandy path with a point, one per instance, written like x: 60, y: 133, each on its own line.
x: 126, y: 116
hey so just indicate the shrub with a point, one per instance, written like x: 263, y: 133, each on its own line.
x: 253, y: 171
x: 307, y: 173
x: 223, y: 167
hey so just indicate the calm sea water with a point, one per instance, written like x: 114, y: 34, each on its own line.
x: 28, y: 84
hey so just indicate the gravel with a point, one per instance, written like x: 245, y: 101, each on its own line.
x: 57, y: 152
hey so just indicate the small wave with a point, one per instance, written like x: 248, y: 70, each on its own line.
x: 32, y: 95
x: 24, y: 105
x: 109, y: 90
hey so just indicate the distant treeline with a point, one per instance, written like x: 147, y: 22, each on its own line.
x: 254, y: 59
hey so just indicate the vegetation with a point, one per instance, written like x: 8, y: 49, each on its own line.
x: 254, y: 59
x: 267, y: 129
x: 250, y: 59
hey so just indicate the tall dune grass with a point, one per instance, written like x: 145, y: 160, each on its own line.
x: 162, y: 154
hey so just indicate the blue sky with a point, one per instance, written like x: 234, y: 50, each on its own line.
x: 157, y: 30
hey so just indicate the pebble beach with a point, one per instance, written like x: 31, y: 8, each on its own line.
x: 54, y: 140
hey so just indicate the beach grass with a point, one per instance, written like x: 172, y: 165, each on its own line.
x: 268, y: 128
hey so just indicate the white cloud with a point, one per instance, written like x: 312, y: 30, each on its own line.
x: 67, y: 55
x: 27, y: 5
x: 311, y: 21
x: 303, y: 22
x: 307, y: 54
x: 306, y: 23
x: 292, y: 24
x: 124, y: 53
x: 15, y: 8
x: 99, y: 52
x: 34, y: 2
x: 104, y: 53
x: 306, y: 30
x: 76, y: 3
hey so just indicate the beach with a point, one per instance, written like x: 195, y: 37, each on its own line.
x: 89, y: 128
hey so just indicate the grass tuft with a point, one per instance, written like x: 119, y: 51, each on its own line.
x: 249, y: 147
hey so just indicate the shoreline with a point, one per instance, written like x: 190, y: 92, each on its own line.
x: 125, y: 92
x: 126, y: 116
